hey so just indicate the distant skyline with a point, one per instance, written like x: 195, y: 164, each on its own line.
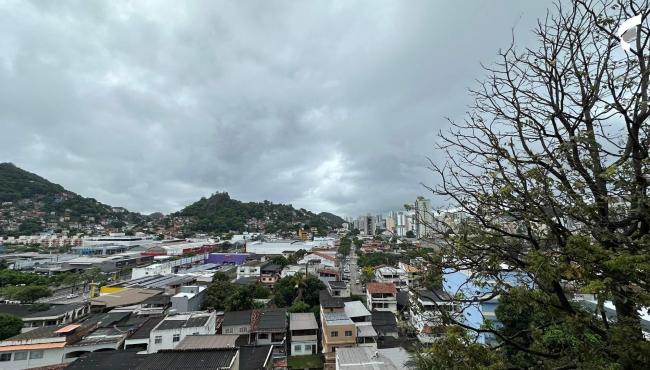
x: 329, y: 106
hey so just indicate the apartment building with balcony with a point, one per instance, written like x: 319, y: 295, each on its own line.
x: 381, y: 297
x: 339, y: 331
x: 388, y: 274
x: 426, y: 309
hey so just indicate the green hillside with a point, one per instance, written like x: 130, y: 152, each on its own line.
x: 220, y: 213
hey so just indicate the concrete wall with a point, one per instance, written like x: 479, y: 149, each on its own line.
x: 50, y: 357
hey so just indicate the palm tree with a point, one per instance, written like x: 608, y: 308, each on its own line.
x: 300, y: 282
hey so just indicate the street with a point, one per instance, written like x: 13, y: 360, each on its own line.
x: 354, y: 273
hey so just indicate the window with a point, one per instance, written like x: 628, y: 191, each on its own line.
x: 35, y: 354
x: 334, y: 334
x: 157, y: 339
x: 20, y: 356
x: 176, y: 338
x: 243, y: 329
x: 307, y: 347
x: 297, y: 348
x: 348, y: 333
x: 5, y: 357
x: 229, y: 331
x: 263, y: 335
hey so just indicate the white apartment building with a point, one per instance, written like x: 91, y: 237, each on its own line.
x: 392, y: 275
x: 249, y: 269
x: 381, y: 297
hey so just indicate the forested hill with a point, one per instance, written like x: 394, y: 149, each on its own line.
x: 33, y: 200
x: 220, y: 213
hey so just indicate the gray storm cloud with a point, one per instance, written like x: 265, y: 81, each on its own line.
x: 330, y: 106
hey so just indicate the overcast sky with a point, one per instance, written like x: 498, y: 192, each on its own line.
x: 327, y: 105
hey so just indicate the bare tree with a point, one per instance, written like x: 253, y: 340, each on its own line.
x: 551, y: 166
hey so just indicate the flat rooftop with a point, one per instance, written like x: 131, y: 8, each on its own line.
x: 302, y: 321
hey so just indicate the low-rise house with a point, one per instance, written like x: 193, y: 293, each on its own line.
x: 40, y: 347
x: 338, y: 288
x: 190, y: 298
x: 304, y: 334
x: 328, y: 274
x: 139, y: 339
x: 269, y: 326
x: 270, y: 274
x: 326, y: 260
x: 39, y: 315
x: 237, y: 322
x: 174, y: 328
x: 381, y: 297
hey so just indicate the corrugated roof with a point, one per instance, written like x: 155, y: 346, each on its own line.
x: 327, y: 301
x: 113, y: 360
x: 143, y: 331
x: 68, y: 328
x: 269, y: 319
x: 366, y: 331
x: 190, y: 360
x: 237, y: 318
x: 254, y: 357
x: 337, y: 318
x: 128, y: 296
x: 207, y: 342
x: 356, y: 309
x: 32, y: 346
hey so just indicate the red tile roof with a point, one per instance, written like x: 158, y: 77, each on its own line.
x: 385, y: 288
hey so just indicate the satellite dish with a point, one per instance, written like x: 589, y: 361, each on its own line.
x: 627, y: 31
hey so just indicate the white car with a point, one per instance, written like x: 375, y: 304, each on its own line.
x: 72, y: 295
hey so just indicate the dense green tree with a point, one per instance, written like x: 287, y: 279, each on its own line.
x: 550, y: 171
x: 456, y: 350
x: 9, y: 326
x: 27, y: 293
x: 239, y: 300
x: 13, y: 277
x: 297, y: 288
x: 220, y: 276
x: 217, y: 294
x: 300, y: 306
x: 280, y: 260
x: 410, y: 234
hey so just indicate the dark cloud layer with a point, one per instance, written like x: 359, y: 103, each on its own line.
x: 330, y: 106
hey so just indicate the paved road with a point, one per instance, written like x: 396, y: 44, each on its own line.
x: 59, y: 295
x: 354, y: 272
